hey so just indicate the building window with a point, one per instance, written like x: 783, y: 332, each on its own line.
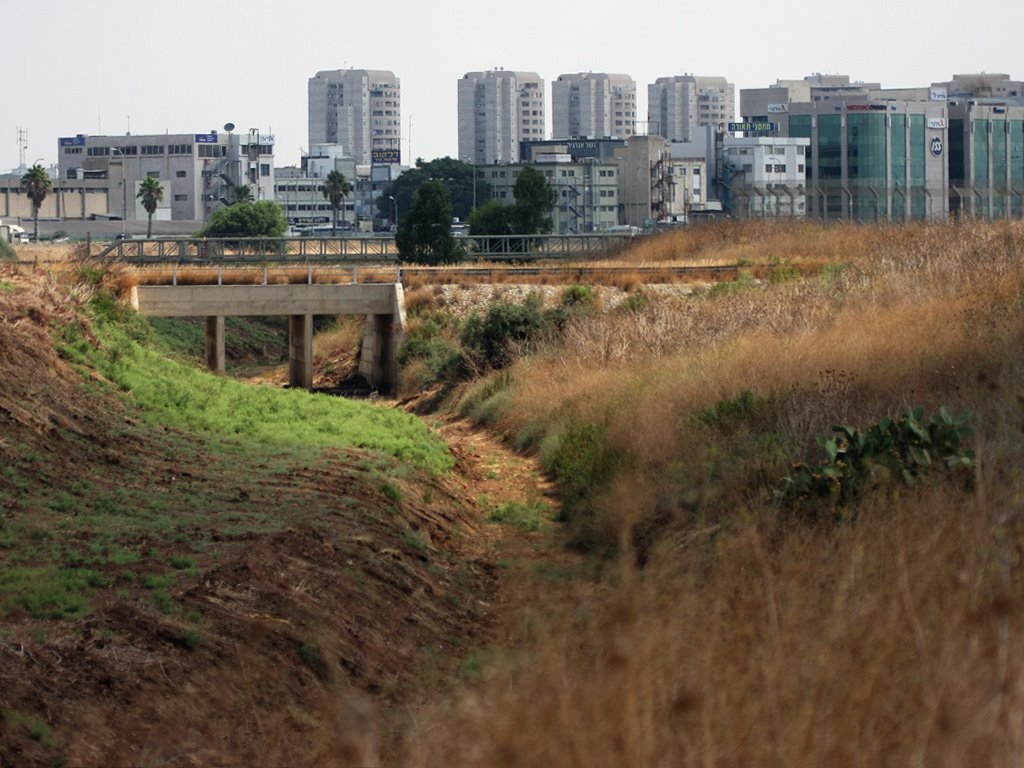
x: 180, y: 198
x: 180, y: 174
x: 768, y: 168
x: 780, y: 168
x: 264, y: 169
x: 153, y: 174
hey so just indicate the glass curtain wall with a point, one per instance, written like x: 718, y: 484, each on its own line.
x: 1016, y: 151
x: 999, y: 169
x: 830, y: 164
x: 980, y: 134
x: 920, y: 205
x: 866, y: 165
x: 899, y: 167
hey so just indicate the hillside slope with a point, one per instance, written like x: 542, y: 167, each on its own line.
x: 169, y: 598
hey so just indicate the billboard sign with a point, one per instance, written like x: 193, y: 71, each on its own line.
x: 777, y: 108
x: 866, y: 107
x: 937, y: 123
x: 72, y: 141
x: 936, y: 146
x: 759, y: 126
x: 386, y: 157
x: 937, y: 94
x: 206, y: 138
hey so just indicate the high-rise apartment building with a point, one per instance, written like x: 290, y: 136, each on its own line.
x: 498, y: 109
x: 359, y: 109
x: 593, y: 105
x: 677, y: 106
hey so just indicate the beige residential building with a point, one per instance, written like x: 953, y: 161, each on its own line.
x: 359, y: 109
x: 677, y: 106
x: 587, y: 191
x: 593, y: 105
x: 498, y: 109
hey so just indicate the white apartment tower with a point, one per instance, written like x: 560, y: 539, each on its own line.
x: 677, y: 106
x: 359, y: 109
x: 595, y: 105
x: 497, y: 110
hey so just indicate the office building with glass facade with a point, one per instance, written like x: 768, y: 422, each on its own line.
x: 873, y: 160
x: 986, y: 158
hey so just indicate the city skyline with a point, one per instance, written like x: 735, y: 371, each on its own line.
x: 124, y: 66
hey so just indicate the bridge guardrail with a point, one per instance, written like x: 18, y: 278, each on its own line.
x: 260, y: 250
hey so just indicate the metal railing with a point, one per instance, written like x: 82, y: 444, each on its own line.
x: 350, y: 249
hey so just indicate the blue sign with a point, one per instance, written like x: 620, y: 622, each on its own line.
x: 386, y: 156
x: 759, y: 126
x: 72, y: 141
x: 206, y: 138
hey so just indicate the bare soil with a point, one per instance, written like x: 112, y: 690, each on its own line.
x: 321, y: 606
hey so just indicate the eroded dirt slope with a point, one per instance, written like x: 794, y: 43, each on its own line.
x: 211, y: 608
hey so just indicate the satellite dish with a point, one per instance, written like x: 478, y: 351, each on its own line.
x: 229, y: 127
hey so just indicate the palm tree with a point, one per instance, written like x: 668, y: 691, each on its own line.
x: 242, y: 193
x: 335, y: 189
x: 37, y: 185
x: 151, y: 192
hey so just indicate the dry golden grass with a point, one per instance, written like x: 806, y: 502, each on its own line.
x: 896, y: 642
x: 748, y: 638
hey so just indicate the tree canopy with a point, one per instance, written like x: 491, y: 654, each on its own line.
x: 336, y: 188
x: 425, y: 233
x: 534, y: 199
x: 455, y: 175
x: 241, y: 193
x: 247, y: 219
x: 150, y: 193
x: 529, y: 215
x: 37, y: 185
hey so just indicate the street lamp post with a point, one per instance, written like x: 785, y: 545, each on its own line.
x: 394, y: 209
x: 124, y: 192
x: 470, y: 163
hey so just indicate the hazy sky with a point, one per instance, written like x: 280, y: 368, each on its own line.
x: 189, y: 66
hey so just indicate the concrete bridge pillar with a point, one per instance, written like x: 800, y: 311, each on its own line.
x: 215, y: 343
x: 300, y: 351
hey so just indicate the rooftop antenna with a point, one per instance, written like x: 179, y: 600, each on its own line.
x: 22, y: 146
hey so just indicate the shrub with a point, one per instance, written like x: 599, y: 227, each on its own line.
x: 7, y: 251
x: 487, y: 339
x: 583, y: 462
x: 903, y: 449
x: 247, y: 219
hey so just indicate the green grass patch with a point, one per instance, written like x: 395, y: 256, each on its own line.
x: 525, y: 517
x: 178, y: 395
x: 36, y: 728
x: 414, y: 540
x: 48, y: 592
x: 6, y: 287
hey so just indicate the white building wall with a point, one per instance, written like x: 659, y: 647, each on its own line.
x: 595, y: 105
x: 357, y: 108
x: 496, y: 110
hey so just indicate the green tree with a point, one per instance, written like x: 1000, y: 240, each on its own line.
x: 425, y: 233
x: 455, y: 175
x: 534, y: 199
x: 241, y: 193
x: 247, y: 219
x: 336, y: 188
x: 491, y: 218
x: 151, y: 192
x: 37, y: 185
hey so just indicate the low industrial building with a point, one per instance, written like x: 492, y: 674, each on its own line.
x: 198, y: 171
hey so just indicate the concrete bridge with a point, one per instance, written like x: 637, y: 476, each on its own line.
x: 382, y: 304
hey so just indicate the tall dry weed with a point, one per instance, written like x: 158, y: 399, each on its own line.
x: 895, y: 642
